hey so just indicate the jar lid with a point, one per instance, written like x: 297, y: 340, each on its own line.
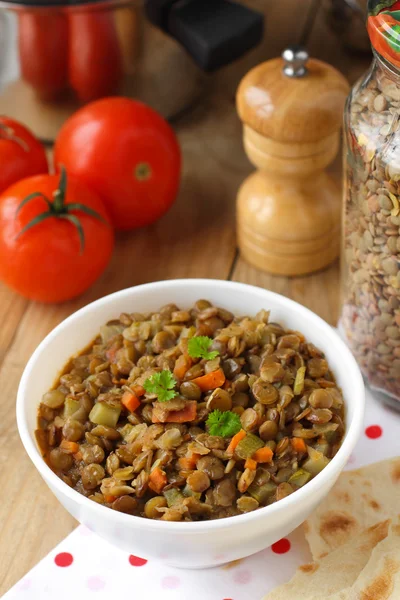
x: 49, y: 3
x: 293, y: 98
x: 384, y: 29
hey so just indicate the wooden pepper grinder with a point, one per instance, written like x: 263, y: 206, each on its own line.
x: 288, y: 211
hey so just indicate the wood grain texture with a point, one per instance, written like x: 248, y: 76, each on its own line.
x: 288, y: 211
x: 12, y: 308
x: 296, y: 110
x: 196, y: 239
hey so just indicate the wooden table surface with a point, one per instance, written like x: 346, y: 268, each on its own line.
x: 196, y: 239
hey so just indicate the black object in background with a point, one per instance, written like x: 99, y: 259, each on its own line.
x: 213, y: 32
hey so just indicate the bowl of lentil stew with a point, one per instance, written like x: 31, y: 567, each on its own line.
x: 185, y: 428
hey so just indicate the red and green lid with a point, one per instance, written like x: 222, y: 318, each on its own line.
x: 384, y: 28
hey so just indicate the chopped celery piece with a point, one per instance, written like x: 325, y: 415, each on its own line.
x: 187, y: 491
x: 313, y: 453
x: 248, y: 445
x: 322, y: 447
x: 299, y: 381
x: 316, y: 462
x: 173, y: 496
x: 300, y: 478
x: 330, y: 436
x: 322, y: 428
x: 262, y: 492
x: 70, y: 407
x: 104, y: 414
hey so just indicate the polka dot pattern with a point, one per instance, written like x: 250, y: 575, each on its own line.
x: 64, y: 559
x: 374, y: 432
x: 136, y: 561
x: 281, y: 547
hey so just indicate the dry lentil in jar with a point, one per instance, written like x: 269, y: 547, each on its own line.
x: 188, y: 415
x: 370, y: 258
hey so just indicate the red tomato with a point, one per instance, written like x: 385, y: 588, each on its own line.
x: 126, y: 152
x: 43, y: 51
x: 94, y: 62
x: 21, y: 154
x: 50, y: 262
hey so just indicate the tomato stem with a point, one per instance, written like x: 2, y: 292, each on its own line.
x: 59, y: 194
x: 57, y: 208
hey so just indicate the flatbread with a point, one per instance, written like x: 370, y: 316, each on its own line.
x: 380, y: 578
x: 358, y: 500
x: 335, y: 572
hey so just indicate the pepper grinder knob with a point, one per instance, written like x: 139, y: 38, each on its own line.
x: 295, y: 59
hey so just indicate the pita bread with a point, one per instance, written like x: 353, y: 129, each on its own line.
x: 358, y: 500
x: 336, y: 572
x: 380, y: 578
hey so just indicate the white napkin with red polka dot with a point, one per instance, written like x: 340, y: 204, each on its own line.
x: 85, y: 566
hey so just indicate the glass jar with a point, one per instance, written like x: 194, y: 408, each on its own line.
x: 370, y: 318
x: 56, y: 55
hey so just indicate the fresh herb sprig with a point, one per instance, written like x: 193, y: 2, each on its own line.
x: 162, y: 385
x: 223, y: 424
x: 199, y: 347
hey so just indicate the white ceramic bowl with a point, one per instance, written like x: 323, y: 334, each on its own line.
x: 198, y: 544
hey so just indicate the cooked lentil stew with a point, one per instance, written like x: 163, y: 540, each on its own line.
x: 188, y: 415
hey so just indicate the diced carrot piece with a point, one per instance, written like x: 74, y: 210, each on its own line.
x: 130, y: 401
x: 263, y: 455
x: 235, y: 440
x: 250, y: 464
x: 210, y: 381
x: 189, y: 462
x: 186, y: 463
x: 78, y: 455
x: 157, y: 480
x: 109, y: 499
x: 182, y: 364
x: 69, y: 447
x: 139, y: 390
x: 187, y: 414
x: 298, y: 445
x: 119, y: 381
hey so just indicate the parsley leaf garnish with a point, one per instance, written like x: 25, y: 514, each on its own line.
x: 199, y: 347
x: 162, y: 384
x: 224, y: 424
